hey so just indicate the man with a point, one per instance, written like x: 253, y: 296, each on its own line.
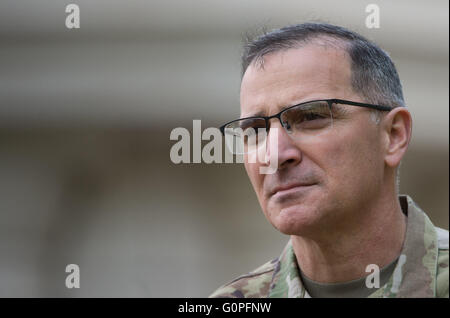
x: 335, y: 102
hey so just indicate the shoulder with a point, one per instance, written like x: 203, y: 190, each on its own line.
x: 254, y: 284
x: 442, y: 264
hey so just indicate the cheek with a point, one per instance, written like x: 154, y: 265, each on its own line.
x: 351, y: 161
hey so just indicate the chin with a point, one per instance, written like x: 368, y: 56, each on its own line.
x: 295, y: 220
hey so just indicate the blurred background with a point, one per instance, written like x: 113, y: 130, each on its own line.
x: 85, y: 118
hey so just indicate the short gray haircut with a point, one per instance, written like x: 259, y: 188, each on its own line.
x: 374, y: 75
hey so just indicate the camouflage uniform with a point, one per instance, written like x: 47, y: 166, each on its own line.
x: 421, y: 270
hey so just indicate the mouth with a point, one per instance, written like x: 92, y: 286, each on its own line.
x: 289, y: 189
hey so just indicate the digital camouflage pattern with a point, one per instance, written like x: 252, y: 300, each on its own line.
x: 421, y: 270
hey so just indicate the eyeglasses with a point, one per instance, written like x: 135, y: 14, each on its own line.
x: 304, y: 120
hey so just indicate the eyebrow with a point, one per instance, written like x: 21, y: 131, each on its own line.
x: 261, y: 114
x: 258, y: 114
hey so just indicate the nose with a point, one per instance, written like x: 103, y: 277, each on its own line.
x: 288, y: 153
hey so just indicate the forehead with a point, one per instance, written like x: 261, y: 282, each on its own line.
x: 293, y: 76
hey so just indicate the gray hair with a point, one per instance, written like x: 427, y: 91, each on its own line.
x: 374, y: 76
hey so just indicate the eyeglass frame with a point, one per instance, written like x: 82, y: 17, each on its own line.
x: 329, y: 101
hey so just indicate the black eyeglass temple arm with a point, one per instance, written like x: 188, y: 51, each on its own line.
x: 346, y: 102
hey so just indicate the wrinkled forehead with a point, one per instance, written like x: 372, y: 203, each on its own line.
x: 293, y: 76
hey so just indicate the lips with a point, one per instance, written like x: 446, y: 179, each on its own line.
x: 288, y: 187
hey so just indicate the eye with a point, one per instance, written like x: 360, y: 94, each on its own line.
x: 252, y: 123
x: 297, y: 117
x: 309, y: 116
x: 313, y: 116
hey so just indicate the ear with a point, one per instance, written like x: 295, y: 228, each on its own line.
x: 397, y: 126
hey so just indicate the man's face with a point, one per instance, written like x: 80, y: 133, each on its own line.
x: 322, y: 182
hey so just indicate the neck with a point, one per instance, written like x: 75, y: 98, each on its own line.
x: 374, y: 237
